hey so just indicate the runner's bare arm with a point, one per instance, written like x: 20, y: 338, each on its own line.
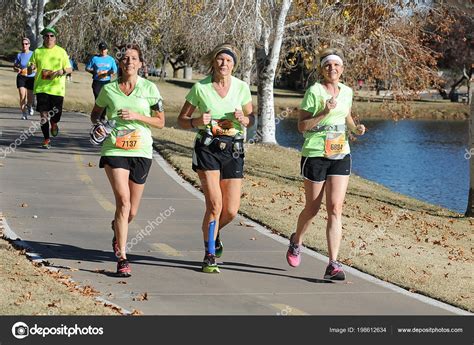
x: 185, y: 116
x: 31, y: 67
x: 245, y: 116
x: 357, y: 129
x: 158, y: 118
x: 96, y: 113
x: 306, y: 121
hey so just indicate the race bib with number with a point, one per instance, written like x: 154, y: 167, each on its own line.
x: 334, y: 145
x: 46, y: 74
x: 223, y: 127
x: 128, y: 139
x: 102, y: 74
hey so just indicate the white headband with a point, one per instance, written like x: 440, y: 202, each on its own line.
x: 331, y: 57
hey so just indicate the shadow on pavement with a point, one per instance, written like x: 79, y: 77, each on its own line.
x: 51, y: 250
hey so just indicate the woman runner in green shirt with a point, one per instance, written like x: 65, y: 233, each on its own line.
x: 134, y: 104
x: 325, y: 116
x: 225, y: 105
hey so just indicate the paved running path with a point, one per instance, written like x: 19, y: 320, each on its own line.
x: 74, y: 205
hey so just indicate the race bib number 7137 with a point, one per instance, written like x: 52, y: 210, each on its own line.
x: 128, y: 139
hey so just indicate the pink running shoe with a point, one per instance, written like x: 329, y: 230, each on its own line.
x: 334, y: 271
x: 123, y: 269
x: 293, y: 255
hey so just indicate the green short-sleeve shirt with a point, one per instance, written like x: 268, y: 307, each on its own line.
x: 313, y: 102
x: 52, y: 59
x: 144, y: 95
x: 204, y: 97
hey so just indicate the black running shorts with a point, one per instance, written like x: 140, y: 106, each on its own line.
x: 50, y: 103
x: 317, y: 169
x: 219, y: 156
x: 139, y: 167
x: 24, y: 81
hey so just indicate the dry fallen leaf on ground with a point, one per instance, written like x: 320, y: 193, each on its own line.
x: 24, y: 204
x: 253, y: 239
x: 142, y: 297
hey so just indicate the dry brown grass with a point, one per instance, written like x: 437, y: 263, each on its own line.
x: 30, y: 290
x: 415, y: 245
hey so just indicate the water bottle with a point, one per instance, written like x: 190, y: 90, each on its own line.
x: 106, y: 126
x: 109, y: 125
x: 207, y: 140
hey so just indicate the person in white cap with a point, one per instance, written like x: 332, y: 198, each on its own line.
x: 324, y: 119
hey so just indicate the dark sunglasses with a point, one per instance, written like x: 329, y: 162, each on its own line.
x: 48, y: 36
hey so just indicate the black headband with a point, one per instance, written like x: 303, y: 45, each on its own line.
x: 228, y: 52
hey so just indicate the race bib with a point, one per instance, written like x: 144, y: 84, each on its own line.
x: 102, y: 74
x: 46, y: 74
x: 334, y: 145
x: 223, y: 127
x: 24, y: 72
x: 129, y: 139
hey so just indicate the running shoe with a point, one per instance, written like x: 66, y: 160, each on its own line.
x: 334, y: 271
x: 24, y: 115
x: 54, y: 129
x: 115, y: 246
x: 31, y: 111
x: 293, y: 255
x: 219, y: 247
x: 209, y: 264
x: 123, y: 268
x: 46, y: 144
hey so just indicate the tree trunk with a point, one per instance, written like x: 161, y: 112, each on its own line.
x: 175, y: 73
x: 267, y: 60
x: 163, y: 66
x: 34, y: 14
x: 266, y: 108
x: 40, y: 4
x: 470, y: 154
x: 247, y: 63
x: 30, y: 25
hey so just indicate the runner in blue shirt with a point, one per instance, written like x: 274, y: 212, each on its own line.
x: 24, y: 81
x: 102, y: 67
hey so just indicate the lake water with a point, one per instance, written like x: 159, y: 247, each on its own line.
x: 420, y: 158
